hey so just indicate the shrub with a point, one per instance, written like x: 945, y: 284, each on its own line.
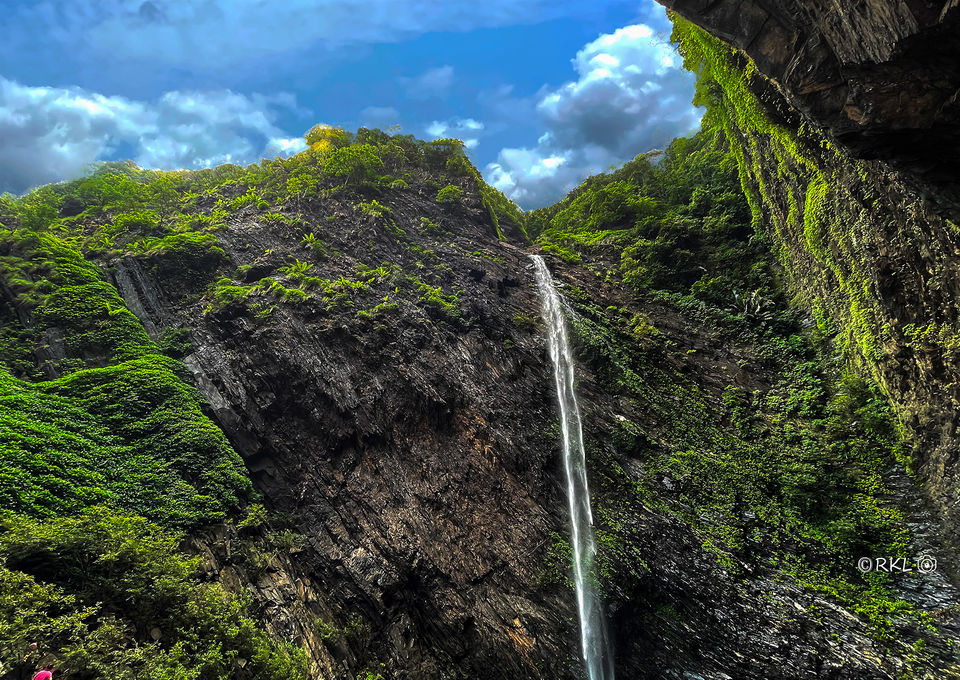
x: 449, y: 194
x: 300, y: 184
x: 256, y: 517
x: 326, y: 631
x: 227, y: 294
x: 249, y: 198
x: 448, y: 306
x: 274, y: 218
x: 356, y: 163
x: 298, y: 268
x: 323, y: 139
x: 138, y: 222
x: 459, y: 166
x: 374, y: 208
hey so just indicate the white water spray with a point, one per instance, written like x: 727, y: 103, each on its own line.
x: 593, y: 629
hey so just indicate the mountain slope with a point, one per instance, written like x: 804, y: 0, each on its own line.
x: 362, y: 324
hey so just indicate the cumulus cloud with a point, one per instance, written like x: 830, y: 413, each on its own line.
x: 631, y: 95
x: 48, y: 134
x: 467, y: 129
x: 431, y: 84
x: 219, y: 33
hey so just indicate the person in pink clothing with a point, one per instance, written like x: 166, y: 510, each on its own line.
x: 45, y: 674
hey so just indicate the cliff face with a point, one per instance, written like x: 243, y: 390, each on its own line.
x: 412, y: 452
x: 871, y: 246
x: 370, y: 346
x: 404, y: 418
x: 881, y: 78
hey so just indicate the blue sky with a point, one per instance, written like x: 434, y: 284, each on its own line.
x: 543, y: 92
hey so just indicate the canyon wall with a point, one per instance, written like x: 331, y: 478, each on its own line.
x: 845, y: 124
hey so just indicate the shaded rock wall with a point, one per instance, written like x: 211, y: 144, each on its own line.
x: 881, y: 77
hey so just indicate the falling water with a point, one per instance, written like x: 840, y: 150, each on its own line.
x: 593, y: 630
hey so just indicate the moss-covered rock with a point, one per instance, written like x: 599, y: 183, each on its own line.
x: 867, y: 250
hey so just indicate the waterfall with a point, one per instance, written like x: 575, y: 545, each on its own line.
x: 593, y: 629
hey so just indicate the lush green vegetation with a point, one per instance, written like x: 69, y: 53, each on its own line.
x: 790, y: 181
x: 786, y: 478
x: 110, y: 595
x: 121, y: 207
x: 120, y: 426
x: 131, y: 435
x: 94, y: 415
x: 680, y: 224
x: 49, y: 278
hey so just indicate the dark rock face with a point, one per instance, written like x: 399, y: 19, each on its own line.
x: 881, y: 77
x: 416, y: 453
x: 411, y: 453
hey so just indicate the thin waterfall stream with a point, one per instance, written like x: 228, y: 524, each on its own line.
x: 593, y: 630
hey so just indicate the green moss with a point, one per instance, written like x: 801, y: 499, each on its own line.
x: 751, y: 196
x: 131, y: 435
x: 813, y: 216
x: 719, y: 64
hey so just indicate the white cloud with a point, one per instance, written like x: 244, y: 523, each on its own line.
x: 631, y: 95
x: 466, y: 129
x: 433, y: 83
x: 284, y: 146
x: 48, y: 134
